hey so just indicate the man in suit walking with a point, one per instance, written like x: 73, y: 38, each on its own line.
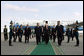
x: 54, y: 33
x: 5, y: 33
x: 17, y: 33
x: 38, y: 32
x: 20, y: 33
x: 59, y: 31
x: 27, y: 33
x: 46, y: 32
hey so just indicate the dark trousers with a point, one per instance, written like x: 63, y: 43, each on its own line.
x: 76, y: 35
x: 43, y: 38
x: 72, y: 35
x: 20, y: 38
x: 5, y: 37
x: 63, y: 37
x: 54, y: 37
x: 10, y: 38
x: 46, y: 38
x: 27, y: 38
x: 37, y: 39
x: 68, y: 39
x: 14, y: 38
x: 59, y: 39
x: 50, y: 37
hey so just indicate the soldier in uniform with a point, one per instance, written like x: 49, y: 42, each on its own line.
x: 59, y: 31
x: 54, y: 33
x: 5, y: 33
x: 27, y: 33
x: 10, y: 33
x: 38, y: 32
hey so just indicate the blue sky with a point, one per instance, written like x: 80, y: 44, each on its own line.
x: 53, y: 10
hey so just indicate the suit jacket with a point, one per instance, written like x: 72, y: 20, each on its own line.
x: 53, y: 31
x: 38, y: 30
x: 27, y: 31
x: 60, y: 30
x: 20, y: 31
x: 5, y: 31
x: 46, y: 31
x: 17, y: 31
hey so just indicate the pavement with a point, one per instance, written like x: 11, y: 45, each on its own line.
x: 28, y: 48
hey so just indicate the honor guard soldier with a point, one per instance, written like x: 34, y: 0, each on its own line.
x: 5, y: 33
x: 27, y: 33
x: 59, y: 31
x: 38, y: 31
x: 10, y: 33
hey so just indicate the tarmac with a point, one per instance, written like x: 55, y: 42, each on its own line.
x: 27, y: 48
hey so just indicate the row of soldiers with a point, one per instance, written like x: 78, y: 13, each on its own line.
x: 44, y: 32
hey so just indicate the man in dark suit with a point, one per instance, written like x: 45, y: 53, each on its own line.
x: 50, y: 33
x: 43, y: 38
x: 38, y: 32
x: 60, y: 31
x: 46, y: 33
x: 17, y: 33
x: 27, y: 33
x: 76, y: 34
x: 20, y: 33
x: 14, y: 34
x: 72, y: 36
x: 5, y: 33
x: 68, y: 33
x: 54, y: 33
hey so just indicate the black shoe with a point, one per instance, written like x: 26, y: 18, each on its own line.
x: 76, y: 45
x: 10, y: 45
x: 67, y: 42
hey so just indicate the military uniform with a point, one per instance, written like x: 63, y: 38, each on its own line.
x: 10, y: 35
